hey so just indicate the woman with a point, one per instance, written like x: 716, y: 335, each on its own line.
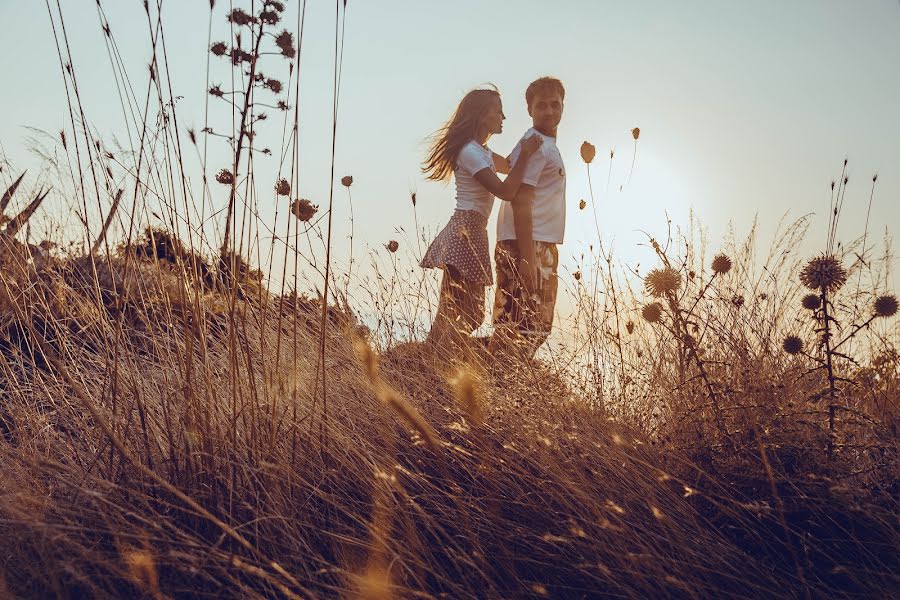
x: 461, y: 248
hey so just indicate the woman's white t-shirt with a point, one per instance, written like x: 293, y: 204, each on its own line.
x: 471, y: 195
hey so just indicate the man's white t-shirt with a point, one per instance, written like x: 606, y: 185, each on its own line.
x: 471, y: 195
x: 547, y: 174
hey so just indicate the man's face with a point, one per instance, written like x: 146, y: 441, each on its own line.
x: 546, y: 110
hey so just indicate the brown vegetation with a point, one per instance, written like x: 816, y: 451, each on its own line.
x: 161, y: 442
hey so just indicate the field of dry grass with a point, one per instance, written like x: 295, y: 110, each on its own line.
x: 172, y: 442
x: 173, y: 426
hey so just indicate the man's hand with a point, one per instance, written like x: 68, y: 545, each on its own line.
x: 528, y: 274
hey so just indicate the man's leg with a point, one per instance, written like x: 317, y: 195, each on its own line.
x: 523, y: 323
x: 510, y: 302
x: 540, y: 319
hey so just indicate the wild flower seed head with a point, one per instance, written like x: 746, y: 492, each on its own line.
x: 392, y: 246
x: 886, y: 305
x: 285, y: 43
x: 274, y: 85
x: 738, y: 301
x: 225, y: 177
x: 652, y: 312
x: 283, y: 188
x: 792, y: 344
x: 823, y: 273
x: 660, y: 282
x: 239, y: 17
x: 219, y: 48
x: 811, y: 302
x: 636, y: 132
x: 303, y: 209
x: 282, y: 105
x: 629, y: 326
x: 347, y: 180
x: 581, y: 204
x: 269, y: 17
x: 588, y: 152
x: 238, y: 56
x: 216, y: 91
x: 275, y: 5
x: 721, y: 264
x: 577, y: 275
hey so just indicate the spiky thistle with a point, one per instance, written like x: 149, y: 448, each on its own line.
x: 721, y: 264
x: 811, y: 302
x: 660, y: 282
x: 792, y: 344
x: 652, y: 312
x: 886, y: 305
x: 824, y: 272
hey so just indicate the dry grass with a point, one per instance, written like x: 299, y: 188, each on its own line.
x: 174, y: 447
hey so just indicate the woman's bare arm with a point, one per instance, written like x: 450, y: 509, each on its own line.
x: 501, y: 164
x: 507, y: 188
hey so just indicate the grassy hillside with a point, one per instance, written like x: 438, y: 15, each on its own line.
x: 165, y: 435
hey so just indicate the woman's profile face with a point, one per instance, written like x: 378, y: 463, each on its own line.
x: 492, y: 120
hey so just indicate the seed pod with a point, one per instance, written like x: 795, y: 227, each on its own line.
x: 588, y: 152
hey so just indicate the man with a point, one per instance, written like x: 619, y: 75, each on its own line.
x: 530, y: 228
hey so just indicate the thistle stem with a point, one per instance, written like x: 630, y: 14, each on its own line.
x: 829, y: 367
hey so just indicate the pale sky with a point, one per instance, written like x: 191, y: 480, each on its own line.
x: 745, y: 108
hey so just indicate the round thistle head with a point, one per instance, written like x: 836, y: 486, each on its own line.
x: 392, y: 246
x: 636, y: 133
x: 347, y: 180
x: 652, y: 313
x: 823, y: 273
x: 737, y: 301
x: 886, y: 305
x: 792, y: 344
x: 303, y: 209
x: 721, y: 264
x: 811, y: 302
x: 660, y: 282
x: 283, y: 188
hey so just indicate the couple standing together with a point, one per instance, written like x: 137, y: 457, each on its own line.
x: 529, y: 228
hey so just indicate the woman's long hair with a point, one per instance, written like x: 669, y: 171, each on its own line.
x: 459, y: 130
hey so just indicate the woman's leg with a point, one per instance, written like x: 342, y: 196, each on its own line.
x: 460, y: 311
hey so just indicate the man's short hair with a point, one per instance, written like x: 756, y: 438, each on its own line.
x: 544, y: 85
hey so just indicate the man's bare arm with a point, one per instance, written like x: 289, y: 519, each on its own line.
x: 522, y: 222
